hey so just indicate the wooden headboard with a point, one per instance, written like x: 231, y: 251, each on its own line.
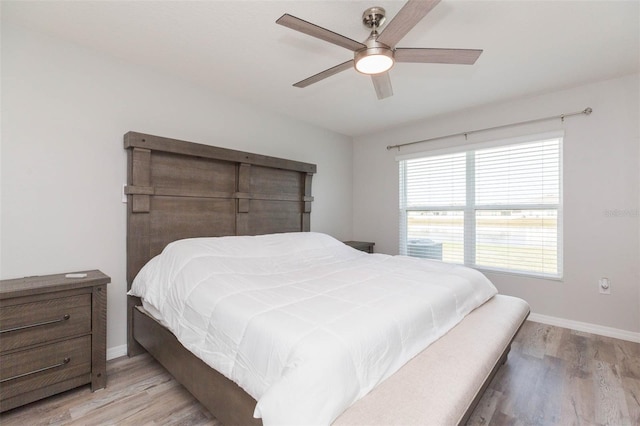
x: 177, y: 189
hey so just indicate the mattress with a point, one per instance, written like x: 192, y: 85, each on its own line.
x: 303, y: 323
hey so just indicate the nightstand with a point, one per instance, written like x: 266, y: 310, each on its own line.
x: 361, y: 245
x: 52, y: 336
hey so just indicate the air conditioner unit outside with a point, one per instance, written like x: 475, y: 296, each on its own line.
x: 425, y: 248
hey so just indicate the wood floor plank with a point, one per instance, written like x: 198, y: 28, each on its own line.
x: 106, y: 399
x: 486, y: 408
x: 553, y: 376
x: 632, y: 395
x: 577, y: 351
x: 628, y: 359
x: 555, y: 338
x: 610, y: 402
x: 605, y: 350
x: 534, y: 340
x: 556, y: 376
x: 546, y: 403
x: 577, y: 402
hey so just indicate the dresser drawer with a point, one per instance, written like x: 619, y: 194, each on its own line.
x: 43, y: 321
x: 23, y: 371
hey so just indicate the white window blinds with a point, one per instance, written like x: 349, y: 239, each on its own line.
x: 496, y: 208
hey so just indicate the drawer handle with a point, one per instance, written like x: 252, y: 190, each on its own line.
x: 23, y: 327
x: 64, y: 362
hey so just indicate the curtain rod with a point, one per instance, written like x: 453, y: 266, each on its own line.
x: 585, y: 111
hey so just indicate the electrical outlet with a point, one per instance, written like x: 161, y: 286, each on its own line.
x: 604, y: 285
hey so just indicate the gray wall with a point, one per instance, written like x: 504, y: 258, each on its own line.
x: 601, y: 163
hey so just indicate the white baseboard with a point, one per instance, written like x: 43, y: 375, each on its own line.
x: 116, y: 352
x: 586, y: 327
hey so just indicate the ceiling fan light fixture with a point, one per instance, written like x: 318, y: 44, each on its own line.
x: 373, y: 60
x: 373, y: 57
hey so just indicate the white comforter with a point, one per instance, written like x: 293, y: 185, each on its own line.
x: 303, y: 323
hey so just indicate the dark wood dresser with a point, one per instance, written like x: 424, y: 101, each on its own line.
x: 52, y: 336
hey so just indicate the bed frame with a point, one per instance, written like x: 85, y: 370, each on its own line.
x: 177, y: 189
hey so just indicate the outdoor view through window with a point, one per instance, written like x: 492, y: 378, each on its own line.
x: 496, y: 208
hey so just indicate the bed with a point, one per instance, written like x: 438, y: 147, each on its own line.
x: 181, y: 191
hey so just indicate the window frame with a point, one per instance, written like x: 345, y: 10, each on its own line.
x: 470, y: 207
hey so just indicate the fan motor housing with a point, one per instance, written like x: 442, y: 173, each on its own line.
x: 374, y: 17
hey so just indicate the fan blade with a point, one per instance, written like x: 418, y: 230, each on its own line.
x: 437, y: 56
x: 324, y: 74
x: 382, y: 84
x: 318, y: 32
x: 410, y: 14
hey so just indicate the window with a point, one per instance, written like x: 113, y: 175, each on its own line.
x: 496, y: 207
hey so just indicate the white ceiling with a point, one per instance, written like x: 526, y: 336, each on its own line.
x: 236, y: 49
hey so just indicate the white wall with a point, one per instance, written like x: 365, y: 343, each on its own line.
x: 601, y: 163
x: 64, y: 112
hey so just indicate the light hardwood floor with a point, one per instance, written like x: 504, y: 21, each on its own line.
x: 553, y: 376
x: 556, y: 376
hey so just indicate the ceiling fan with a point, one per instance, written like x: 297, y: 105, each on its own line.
x: 376, y: 55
